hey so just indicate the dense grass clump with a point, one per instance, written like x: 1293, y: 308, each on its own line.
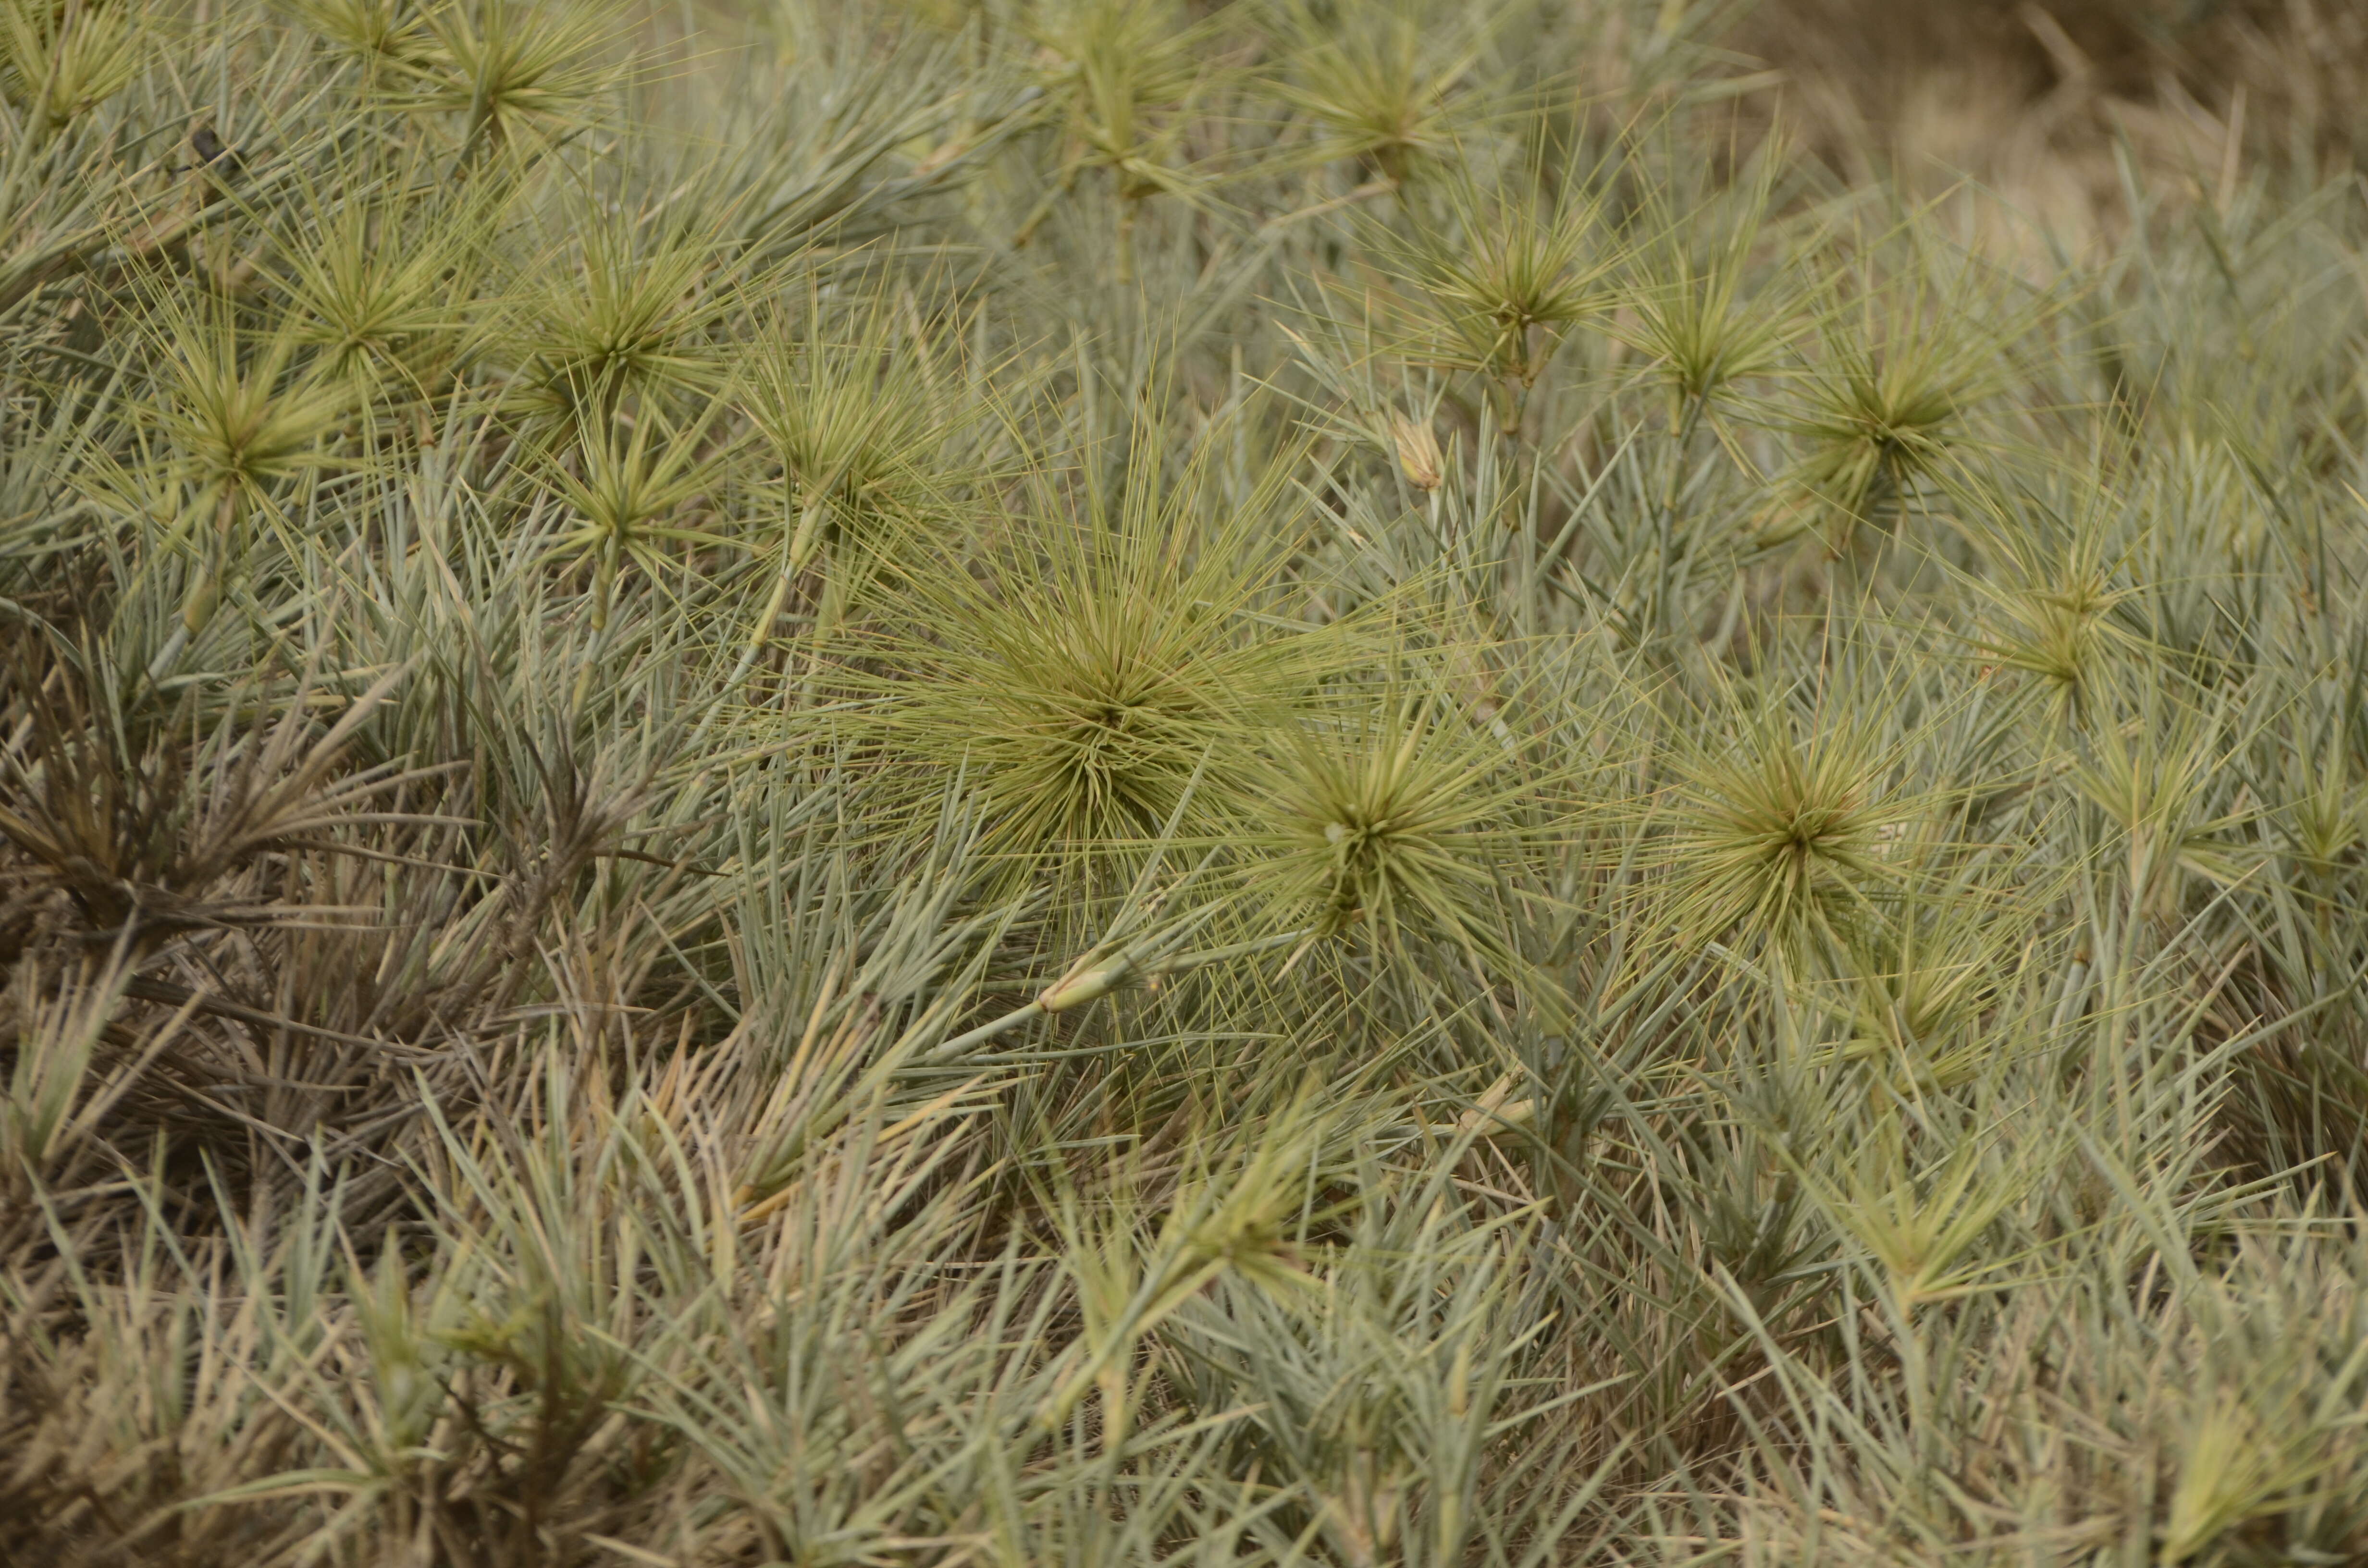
x: 1313, y: 781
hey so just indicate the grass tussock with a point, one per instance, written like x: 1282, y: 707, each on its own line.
x: 1333, y: 782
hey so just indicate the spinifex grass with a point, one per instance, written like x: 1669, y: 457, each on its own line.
x: 1788, y: 822
x: 1099, y: 671
x: 1395, y: 821
x: 1504, y: 273
x: 59, y: 62
x: 1385, y: 82
x: 699, y: 866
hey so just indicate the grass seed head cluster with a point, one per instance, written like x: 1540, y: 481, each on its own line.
x: 1067, y: 781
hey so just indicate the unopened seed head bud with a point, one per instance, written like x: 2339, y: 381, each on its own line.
x: 198, y: 609
x: 1418, y: 446
x: 809, y: 531
x: 1089, y: 986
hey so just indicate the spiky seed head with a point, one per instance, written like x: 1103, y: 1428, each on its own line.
x: 623, y: 310
x: 1508, y: 276
x: 381, y: 33
x: 1875, y: 423
x: 852, y: 415
x: 1782, y: 831
x: 1393, y: 820
x: 630, y: 493
x: 243, y: 415
x: 1083, y: 709
x: 378, y: 291
x: 515, y: 71
x: 1384, y: 87
x: 1105, y: 671
x: 59, y: 62
x: 1120, y: 70
x: 1902, y: 361
x: 1693, y: 305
